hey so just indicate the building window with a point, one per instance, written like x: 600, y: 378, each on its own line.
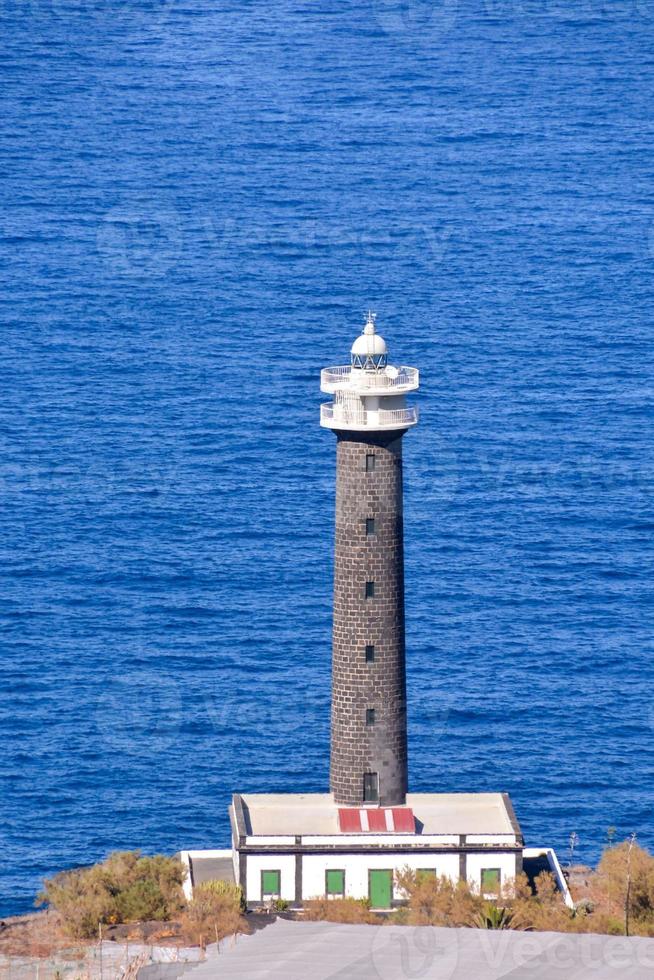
x: 270, y: 884
x: 370, y: 462
x: 370, y: 653
x: 370, y: 716
x: 370, y: 526
x: 370, y: 787
x: 490, y: 882
x: 425, y: 874
x: 370, y: 590
x: 335, y: 884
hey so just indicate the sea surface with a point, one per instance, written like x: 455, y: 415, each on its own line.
x: 199, y: 202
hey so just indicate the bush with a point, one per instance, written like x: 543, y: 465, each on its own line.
x: 124, y: 888
x: 493, y: 917
x: 141, y: 901
x: 227, y: 889
x: 398, y: 917
x: 351, y: 910
x: 213, y: 913
x: 609, y: 887
x: 435, y: 900
x: 545, y: 910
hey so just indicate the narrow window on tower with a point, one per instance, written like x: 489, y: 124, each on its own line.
x: 370, y: 716
x: 370, y: 787
x: 370, y: 653
x: 370, y: 526
x: 370, y: 462
x: 370, y: 590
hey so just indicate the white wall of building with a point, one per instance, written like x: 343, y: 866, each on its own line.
x: 555, y: 868
x: 476, y: 862
x: 187, y: 886
x: 285, y: 863
x: 356, y: 867
x: 263, y: 840
x: 397, y: 840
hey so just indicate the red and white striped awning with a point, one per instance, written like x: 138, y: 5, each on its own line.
x: 377, y: 820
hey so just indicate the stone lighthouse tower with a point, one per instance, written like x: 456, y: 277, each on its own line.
x: 369, y: 416
x: 349, y: 843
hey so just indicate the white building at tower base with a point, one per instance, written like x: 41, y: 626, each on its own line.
x: 297, y: 847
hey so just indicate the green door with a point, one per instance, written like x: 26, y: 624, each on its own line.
x: 381, y: 889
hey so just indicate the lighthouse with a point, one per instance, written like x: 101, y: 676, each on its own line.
x: 350, y: 842
x: 369, y: 416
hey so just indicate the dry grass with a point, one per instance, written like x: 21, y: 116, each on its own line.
x: 435, y: 900
x: 213, y: 913
x: 350, y: 910
x: 37, y: 934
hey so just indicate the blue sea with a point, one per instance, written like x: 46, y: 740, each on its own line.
x: 199, y: 203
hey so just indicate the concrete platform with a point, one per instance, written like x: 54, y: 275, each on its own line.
x: 327, y: 951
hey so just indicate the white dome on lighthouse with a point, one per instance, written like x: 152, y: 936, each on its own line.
x: 369, y: 393
x: 369, y: 351
x: 369, y: 344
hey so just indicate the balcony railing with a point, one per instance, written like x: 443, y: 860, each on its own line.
x: 334, y: 416
x: 343, y: 376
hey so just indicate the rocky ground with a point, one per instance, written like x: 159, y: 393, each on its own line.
x: 35, y: 945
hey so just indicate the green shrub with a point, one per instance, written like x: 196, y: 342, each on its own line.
x: 225, y: 888
x: 493, y: 916
x: 124, y: 888
x: 141, y: 901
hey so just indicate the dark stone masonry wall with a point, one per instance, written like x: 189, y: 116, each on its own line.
x: 358, y: 747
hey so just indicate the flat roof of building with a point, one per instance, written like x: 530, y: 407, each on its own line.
x: 306, y: 814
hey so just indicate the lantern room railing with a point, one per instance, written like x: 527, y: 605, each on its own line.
x: 392, y: 381
x: 346, y: 416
